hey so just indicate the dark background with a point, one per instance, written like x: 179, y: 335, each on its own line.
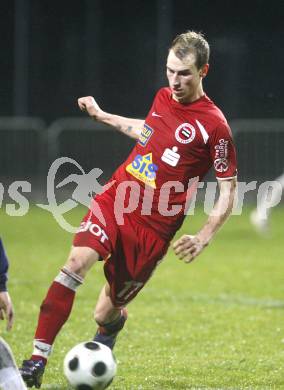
x: 55, y: 51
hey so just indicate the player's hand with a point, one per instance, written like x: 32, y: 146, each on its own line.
x: 188, y: 247
x: 89, y: 105
x: 6, y: 309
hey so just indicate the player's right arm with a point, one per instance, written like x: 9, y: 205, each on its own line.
x: 129, y: 126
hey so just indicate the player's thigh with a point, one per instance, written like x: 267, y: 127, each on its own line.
x: 105, y: 310
x: 81, y: 259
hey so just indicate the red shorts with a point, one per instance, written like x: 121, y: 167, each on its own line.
x: 131, y: 251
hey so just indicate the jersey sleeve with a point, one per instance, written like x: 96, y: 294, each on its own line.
x: 223, y: 152
x: 3, y: 268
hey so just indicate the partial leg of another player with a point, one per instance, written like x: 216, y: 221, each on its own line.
x: 111, y: 319
x: 55, y: 311
x: 260, y: 216
x: 10, y: 377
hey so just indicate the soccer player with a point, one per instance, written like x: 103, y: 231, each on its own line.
x: 145, y: 202
x: 10, y: 378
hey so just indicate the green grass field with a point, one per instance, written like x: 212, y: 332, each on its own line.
x: 217, y: 323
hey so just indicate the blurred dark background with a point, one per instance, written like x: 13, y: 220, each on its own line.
x: 56, y: 51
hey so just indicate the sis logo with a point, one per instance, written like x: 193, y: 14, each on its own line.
x: 143, y: 169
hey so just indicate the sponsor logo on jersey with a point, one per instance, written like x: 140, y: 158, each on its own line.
x: 143, y: 169
x: 185, y: 133
x: 221, y: 163
x: 170, y: 156
x: 93, y: 228
x: 145, y: 135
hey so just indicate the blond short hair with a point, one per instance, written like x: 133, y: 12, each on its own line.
x: 191, y: 42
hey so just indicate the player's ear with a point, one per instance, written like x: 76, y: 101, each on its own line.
x: 204, y: 70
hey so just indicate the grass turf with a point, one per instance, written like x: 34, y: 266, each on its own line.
x: 216, y: 323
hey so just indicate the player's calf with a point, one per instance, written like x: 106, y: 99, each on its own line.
x: 54, y: 312
x: 107, y: 333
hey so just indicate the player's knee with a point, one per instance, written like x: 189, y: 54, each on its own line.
x: 81, y: 259
x: 76, y: 265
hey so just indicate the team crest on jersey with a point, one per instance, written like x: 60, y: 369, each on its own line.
x: 185, y: 133
x: 145, y: 135
x: 143, y: 169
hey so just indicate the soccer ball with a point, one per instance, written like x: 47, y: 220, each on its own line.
x: 90, y: 366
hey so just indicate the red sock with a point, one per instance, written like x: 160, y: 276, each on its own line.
x: 54, y: 312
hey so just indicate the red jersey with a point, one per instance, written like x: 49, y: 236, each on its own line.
x: 179, y: 142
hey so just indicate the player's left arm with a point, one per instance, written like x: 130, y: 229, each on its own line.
x: 188, y: 247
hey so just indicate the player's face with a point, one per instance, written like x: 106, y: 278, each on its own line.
x: 184, y: 77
